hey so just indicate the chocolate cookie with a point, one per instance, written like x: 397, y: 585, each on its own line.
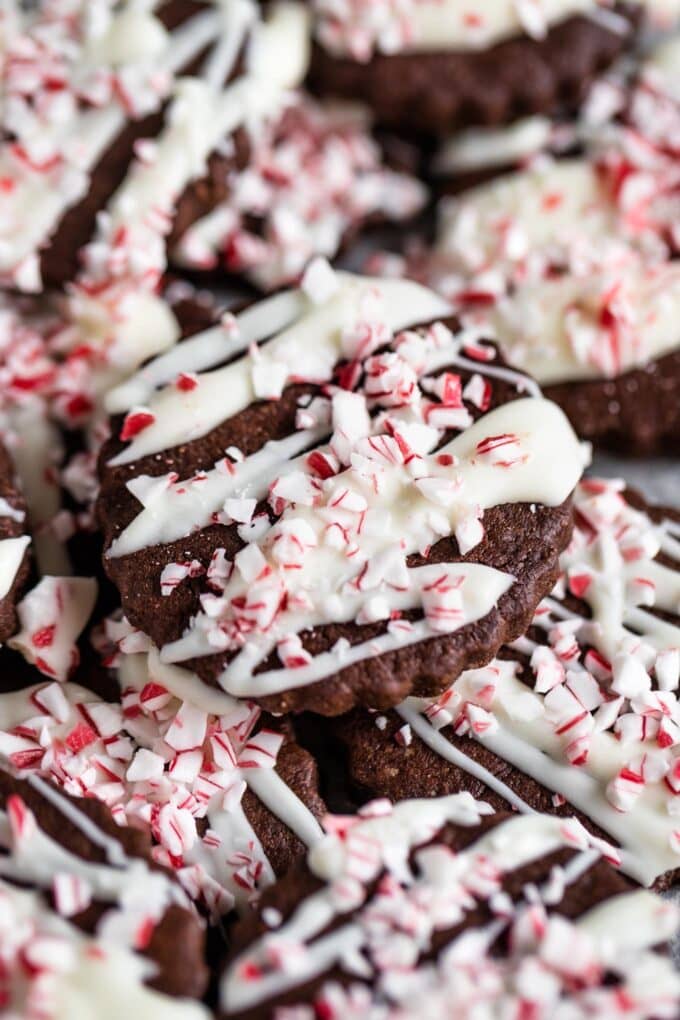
x: 314, y: 179
x: 580, y: 714
x: 304, y: 573
x: 229, y: 798
x: 636, y: 413
x: 154, y: 147
x: 14, y: 545
x: 434, y: 69
x: 100, y: 876
x: 435, y: 907
x: 573, y: 266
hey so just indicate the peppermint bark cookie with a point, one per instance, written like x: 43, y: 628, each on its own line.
x: 314, y: 179
x: 14, y: 546
x: 433, y: 908
x: 573, y: 266
x: 581, y: 713
x: 352, y: 511
x: 100, y: 877
x: 97, y: 173
x: 228, y: 797
x: 434, y: 67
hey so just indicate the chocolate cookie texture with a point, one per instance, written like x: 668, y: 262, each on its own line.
x: 581, y: 713
x: 99, y: 877
x: 14, y: 546
x: 343, y: 514
x: 434, y: 67
x: 228, y: 797
x: 573, y: 265
x: 436, y: 907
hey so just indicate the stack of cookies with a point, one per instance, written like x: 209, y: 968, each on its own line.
x: 334, y: 681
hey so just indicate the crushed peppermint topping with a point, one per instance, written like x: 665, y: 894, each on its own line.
x: 596, y: 681
x: 416, y: 925
x: 571, y: 263
x: 360, y: 29
x: 313, y: 176
x: 157, y: 762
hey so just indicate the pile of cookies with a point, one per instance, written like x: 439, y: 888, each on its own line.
x: 333, y: 682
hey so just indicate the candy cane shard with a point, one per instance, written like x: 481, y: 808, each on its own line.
x: 52, y: 616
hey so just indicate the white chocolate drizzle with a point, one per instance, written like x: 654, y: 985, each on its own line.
x: 144, y: 758
x: 389, y: 864
x: 601, y: 726
x: 79, y: 976
x: 12, y: 552
x: 362, y: 484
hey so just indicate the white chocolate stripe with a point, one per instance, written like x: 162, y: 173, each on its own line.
x: 548, y: 473
x: 438, y: 743
x: 277, y: 796
x: 175, y: 509
x: 39, y: 858
x: 482, y: 588
x: 265, y: 783
x: 219, y: 861
x: 310, y: 346
x: 625, y: 761
x: 115, y: 853
x: 197, y: 121
x: 96, y: 977
x: 523, y: 383
x: 533, y: 748
x: 207, y: 349
x: 93, y: 131
x: 237, y: 18
x: 12, y: 551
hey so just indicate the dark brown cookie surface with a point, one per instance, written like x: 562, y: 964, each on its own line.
x: 61, y: 259
x: 634, y: 414
x: 519, y: 539
x: 436, y: 93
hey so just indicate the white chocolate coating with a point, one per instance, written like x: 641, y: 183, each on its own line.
x: 421, y: 26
